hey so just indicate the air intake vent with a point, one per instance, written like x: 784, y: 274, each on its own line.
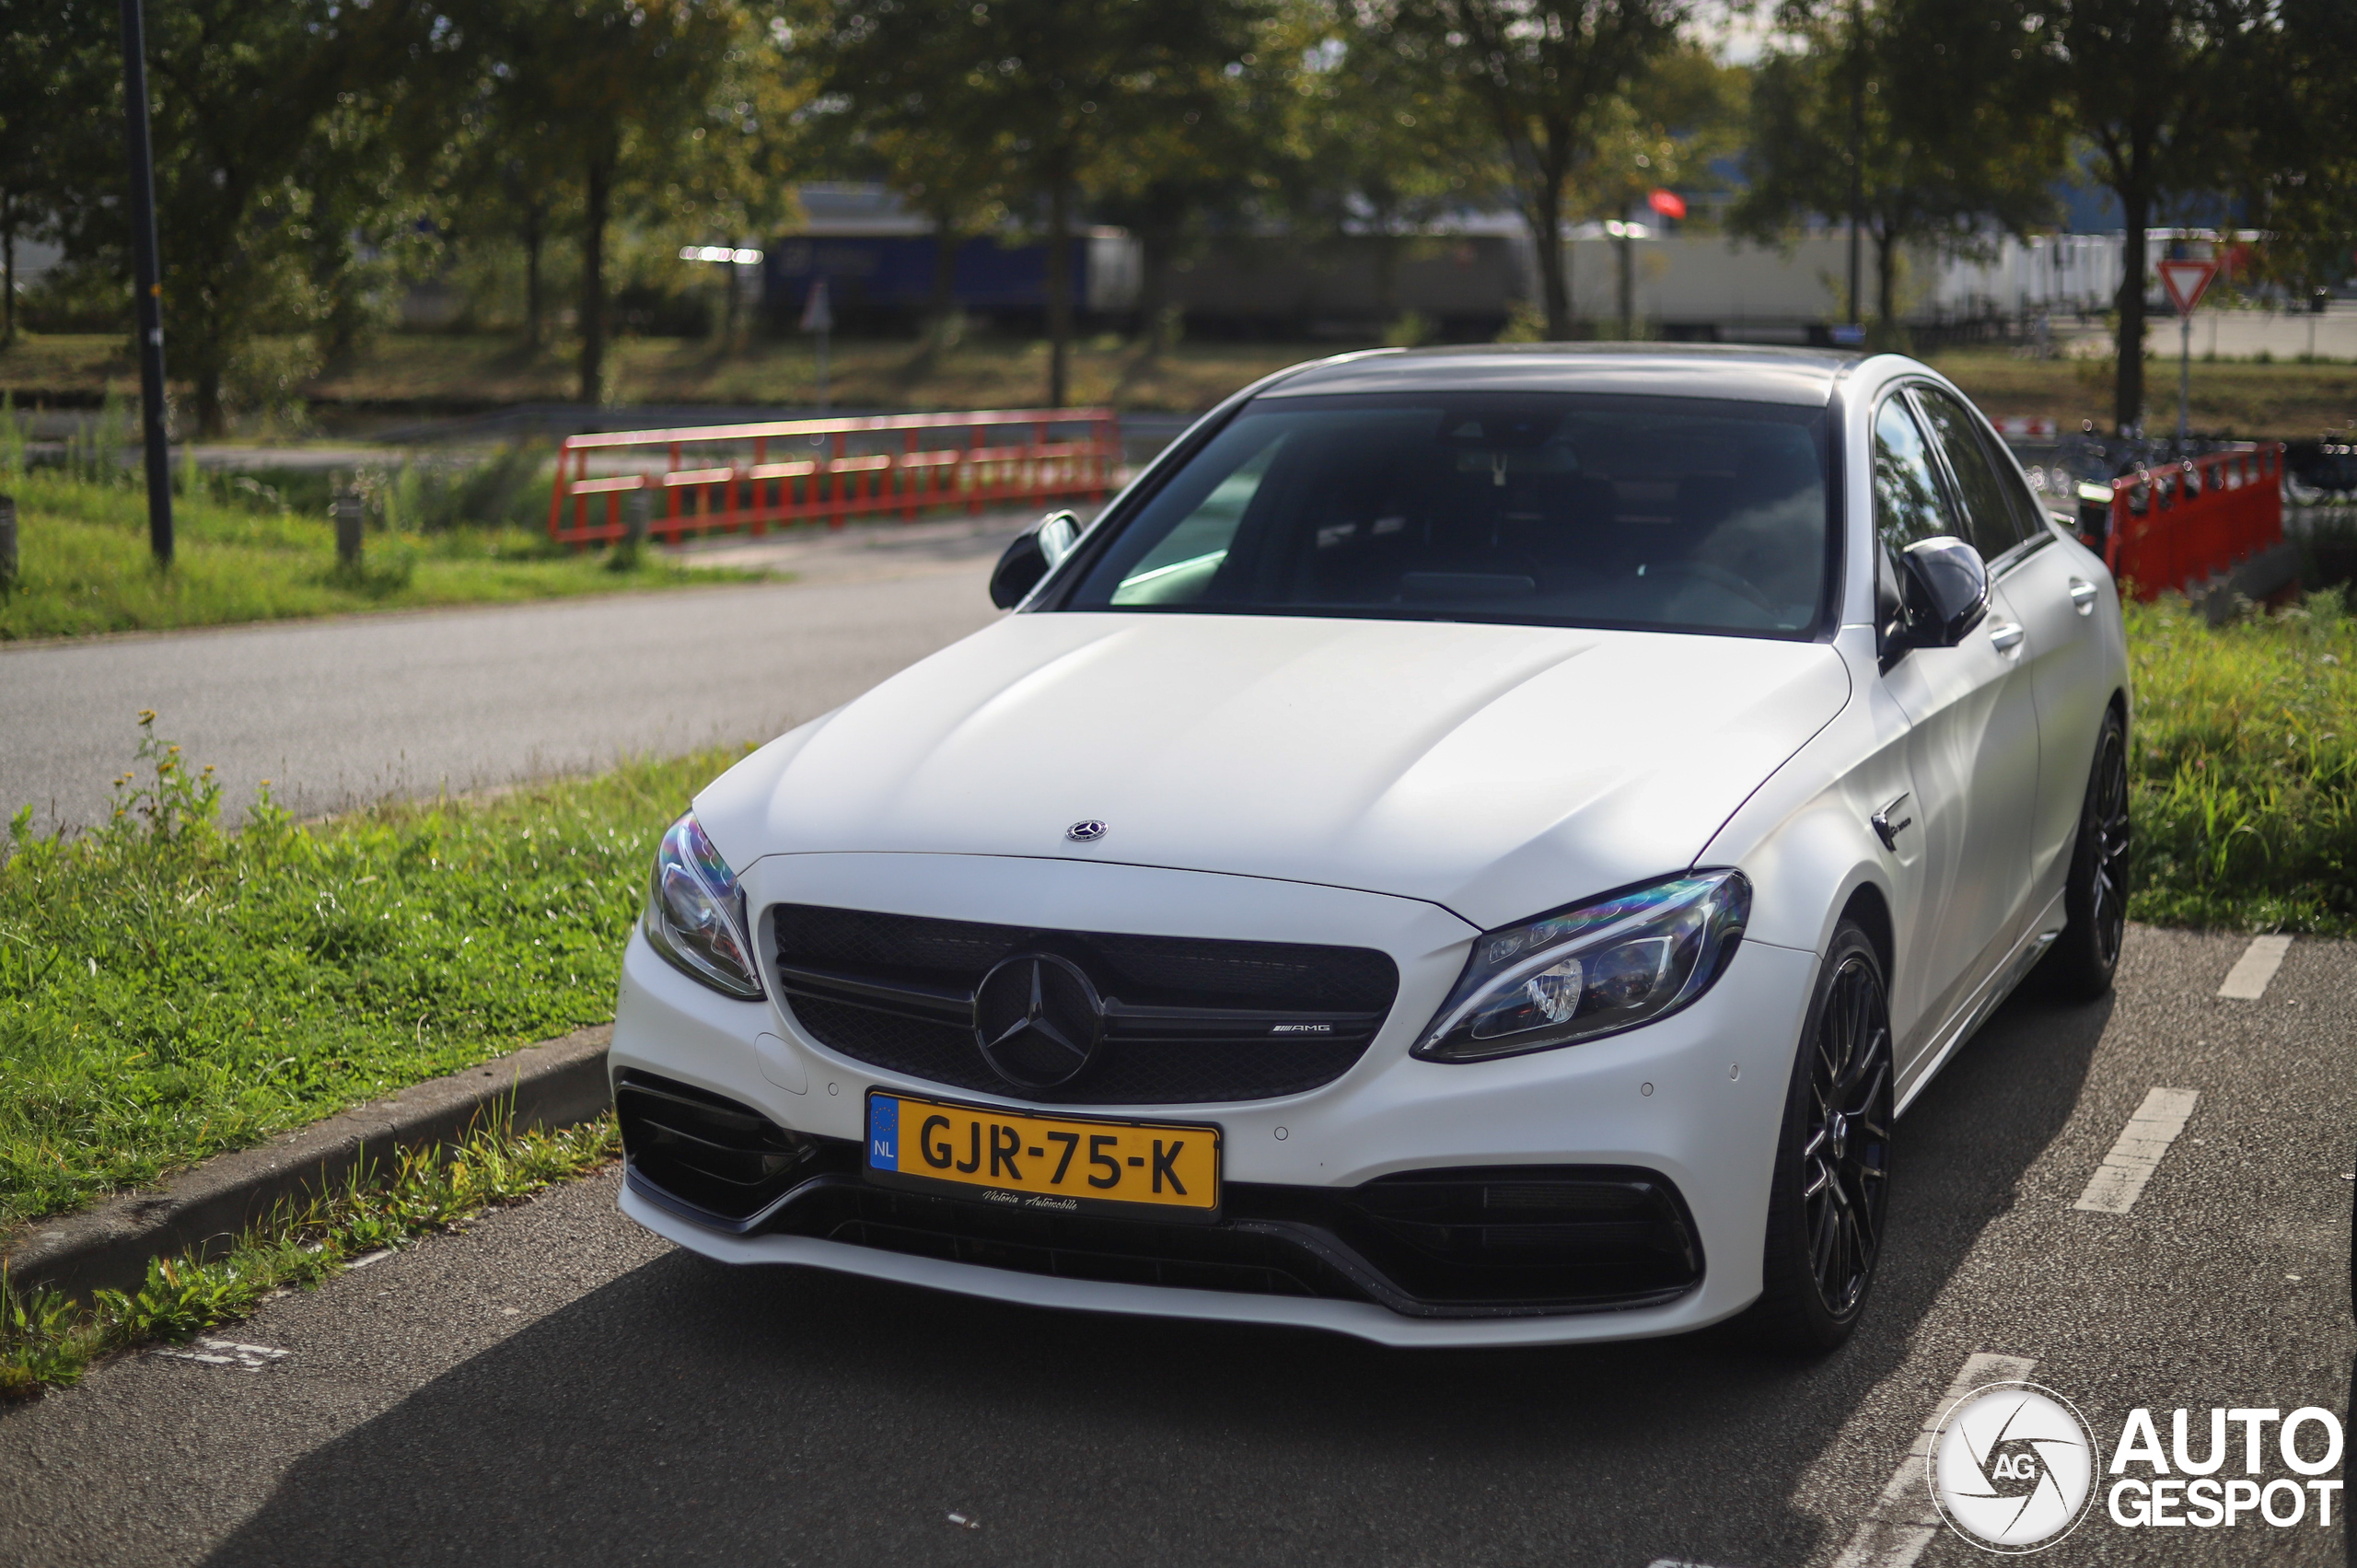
x: 715, y: 1155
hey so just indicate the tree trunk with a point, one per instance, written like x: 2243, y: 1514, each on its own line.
x: 1544, y: 212
x: 1059, y: 289
x: 1885, y: 279
x: 205, y: 371
x: 943, y: 303
x: 728, y: 306
x: 1628, y: 260
x: 2127, y: 345
x: 598, y: 192
x: 1153, y: 288
x: 1387, y: 267
x: 534, y: 309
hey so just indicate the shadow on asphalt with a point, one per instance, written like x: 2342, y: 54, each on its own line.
x: 691, y: 1414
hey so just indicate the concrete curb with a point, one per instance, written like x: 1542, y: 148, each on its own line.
x: 553, y: 1084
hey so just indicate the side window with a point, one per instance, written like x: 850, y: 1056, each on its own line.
x: 2029, y: 507
x: 1180, y: 566
x: 1991, y: 517
x: 1909, y: 503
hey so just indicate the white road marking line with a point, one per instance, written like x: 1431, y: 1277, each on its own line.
x: 2246, y: 981
x: 1904, y: 1519
x: 223, y: 1352
x: 2120, y: 1180
x: 376, y: 1257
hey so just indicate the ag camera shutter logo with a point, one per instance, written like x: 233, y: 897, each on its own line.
x: 2011, y: 1467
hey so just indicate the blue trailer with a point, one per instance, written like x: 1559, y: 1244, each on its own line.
x: 878, y: 279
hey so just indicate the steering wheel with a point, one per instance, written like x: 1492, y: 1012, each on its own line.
x: 1718, y: 576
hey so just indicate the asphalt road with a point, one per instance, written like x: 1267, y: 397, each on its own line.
x: 554, y: 1387
x: 344, y: 711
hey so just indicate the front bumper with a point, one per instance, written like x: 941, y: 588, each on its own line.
x: 1695, y: 1098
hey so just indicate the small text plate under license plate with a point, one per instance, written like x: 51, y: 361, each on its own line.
x: 1043, y: 1164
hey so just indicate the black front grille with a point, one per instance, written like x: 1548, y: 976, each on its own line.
x: 1503, y: 1241
x: 1187, y: 1020
x: 1615, y: 1240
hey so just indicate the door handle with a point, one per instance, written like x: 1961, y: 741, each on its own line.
x: 2083, y: 596
x: 2006, y: 636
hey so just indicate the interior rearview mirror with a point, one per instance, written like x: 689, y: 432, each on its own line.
x: 1946, y: 591
x: 1033, y: 553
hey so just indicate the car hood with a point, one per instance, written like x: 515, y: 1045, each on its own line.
x: 1498, y: 770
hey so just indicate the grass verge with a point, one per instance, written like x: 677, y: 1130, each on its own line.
x: 168, y: 990
x: 48, y: 1341
x: 2245, y: 768
x: 2279, y: 402
x: 86, y: 566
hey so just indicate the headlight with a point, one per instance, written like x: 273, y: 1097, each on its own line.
x: 695, y: 914
x: 1591, y: 970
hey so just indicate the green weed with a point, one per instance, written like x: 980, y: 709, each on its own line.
x: 48, y: 1341
x: 2245, y: 768
x: 168, y: 990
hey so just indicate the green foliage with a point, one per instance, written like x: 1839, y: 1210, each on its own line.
x: 257, y: 549
x: 168, y: 990
x: 1549, y: 78
x: 1057, y: 100
x: 2245, y: 768
x: 48, y: 1342
x: 1947, y: 145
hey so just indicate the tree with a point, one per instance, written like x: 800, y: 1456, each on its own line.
x: 655, y: 103
x: 1545, y: 72
x: 40, y: 48
x: 1677, y: 115
x: 1053, y: 90
x: 1380, y: 138
x: 2162, y: 91
x: 904, y: 125
x: 236, y: 190
x: 1874, y: 107
x: 2304, y: 197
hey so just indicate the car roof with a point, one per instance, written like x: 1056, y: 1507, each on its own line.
x: 1742, y: 372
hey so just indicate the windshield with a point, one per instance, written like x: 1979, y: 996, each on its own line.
x: 1661, y: 514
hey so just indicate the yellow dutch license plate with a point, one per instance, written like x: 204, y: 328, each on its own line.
x: 1043, y: 1164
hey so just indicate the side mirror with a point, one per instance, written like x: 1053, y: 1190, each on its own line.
x: 1035, y: 551
x: 1946, y: 591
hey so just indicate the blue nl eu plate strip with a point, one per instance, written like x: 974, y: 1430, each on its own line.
x: 883, y: 1132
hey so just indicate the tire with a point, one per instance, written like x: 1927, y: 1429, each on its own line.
x: 1829, y: 1194
x: 2095, y: 899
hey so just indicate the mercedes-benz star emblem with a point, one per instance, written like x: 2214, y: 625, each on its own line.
x: 1086, y: 832
x: 1037, y: 1020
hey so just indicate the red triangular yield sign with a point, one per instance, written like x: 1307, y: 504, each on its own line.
x: 2185, y: 281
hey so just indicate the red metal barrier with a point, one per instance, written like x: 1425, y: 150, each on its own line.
x: 723, y: 478
x: 2175, y: 528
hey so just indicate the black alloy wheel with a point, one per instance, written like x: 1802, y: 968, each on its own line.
x: 1845, y: 1169
x: 1830, y: 1190
x: 2095, y: 901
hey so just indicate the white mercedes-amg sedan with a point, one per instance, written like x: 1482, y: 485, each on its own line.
x: 1475, y: 846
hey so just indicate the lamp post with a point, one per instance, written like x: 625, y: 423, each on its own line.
x: 148, y: 273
